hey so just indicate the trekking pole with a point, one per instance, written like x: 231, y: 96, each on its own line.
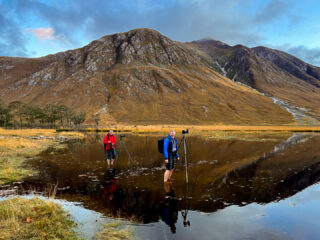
x: 125, y: 148
x: 122, y: 143
x: 117, y: 157
x: 185, y: 156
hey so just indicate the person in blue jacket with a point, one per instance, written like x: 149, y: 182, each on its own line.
x: 170, y: 151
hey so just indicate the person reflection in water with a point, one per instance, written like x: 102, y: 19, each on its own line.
x: 110, y: 184
x: 170, y: 211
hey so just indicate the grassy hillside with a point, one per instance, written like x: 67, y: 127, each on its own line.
x: 143, y: 77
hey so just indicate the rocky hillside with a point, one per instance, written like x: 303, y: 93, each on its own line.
x: 290, y: 82
x: 143, y: 77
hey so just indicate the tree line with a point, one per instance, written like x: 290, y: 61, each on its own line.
x: 52, y: 115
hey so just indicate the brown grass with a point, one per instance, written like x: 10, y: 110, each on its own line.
x: 113, y: 231
x: 36, y: 219
x: 22, y: 218
x: 15, y: 148
x: 200, y: 129
x: 38, y: 132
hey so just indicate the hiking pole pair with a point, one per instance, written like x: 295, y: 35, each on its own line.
x: 125, y: 148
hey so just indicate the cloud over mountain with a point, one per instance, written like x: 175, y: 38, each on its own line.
x: 77, y: 22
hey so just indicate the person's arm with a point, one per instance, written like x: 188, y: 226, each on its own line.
x: 165, y: 148
x: 113, y: 141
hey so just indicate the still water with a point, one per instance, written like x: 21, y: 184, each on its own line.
x: 264, y: 187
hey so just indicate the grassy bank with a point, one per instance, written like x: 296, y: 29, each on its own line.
x: 38, y: 219
x: 18, y: 145
x: 22, y: 218
x: 205, y: 128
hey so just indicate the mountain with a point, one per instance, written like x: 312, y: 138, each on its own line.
x: 143, y: 77
x: 292, y: 83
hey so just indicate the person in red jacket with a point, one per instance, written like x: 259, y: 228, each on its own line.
x: 109, y: 142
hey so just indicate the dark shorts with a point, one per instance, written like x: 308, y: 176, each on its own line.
x: 112, y: 152
x: 170, y: 164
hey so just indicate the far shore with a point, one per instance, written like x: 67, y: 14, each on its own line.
x: 200, y: 128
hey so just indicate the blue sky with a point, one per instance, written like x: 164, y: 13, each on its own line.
x: 33, y: 28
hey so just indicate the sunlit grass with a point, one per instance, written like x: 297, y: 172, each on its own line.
x: 13, y: 155
x: 35, y: 218
x: 38, y: 132
x: 16, y: 147
x: 199, y: 129
x: 22, y: 218
x: 12, y: 169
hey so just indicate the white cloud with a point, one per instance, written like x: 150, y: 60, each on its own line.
x: 42, y: 33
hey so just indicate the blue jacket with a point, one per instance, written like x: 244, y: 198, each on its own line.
x: 167, y: 147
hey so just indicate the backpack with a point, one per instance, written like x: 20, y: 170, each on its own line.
x: 161, y: 143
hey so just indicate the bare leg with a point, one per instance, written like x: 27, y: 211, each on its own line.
x: 168, y: 187
x: 171, y: 173
x: 112, y: 162
x: 108, y: 160
x: 166, y: 175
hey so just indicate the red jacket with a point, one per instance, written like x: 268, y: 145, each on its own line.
x: 112, y: 140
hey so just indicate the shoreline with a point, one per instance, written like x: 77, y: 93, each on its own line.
x: 19, y: 145
x: 200, y: 128
x: 36, y: 216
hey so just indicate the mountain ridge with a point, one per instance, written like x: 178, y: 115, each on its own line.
x: 135, y: 76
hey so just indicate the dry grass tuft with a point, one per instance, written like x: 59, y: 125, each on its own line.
x: 27, y: 132
x: 22, y: 218
x: 112, y: 231
x: 17, y: 145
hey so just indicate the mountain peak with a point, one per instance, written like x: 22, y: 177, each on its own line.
x: 137, y: 31
x: 210, y: 41
x: 135, y: 76
x: 140, y: 46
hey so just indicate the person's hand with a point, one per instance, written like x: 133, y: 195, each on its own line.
x: 166, y: 160
x: 178, y: 158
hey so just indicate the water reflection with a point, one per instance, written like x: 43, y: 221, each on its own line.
x: 222, y: 173
x: 110, y: 185
x: 171, y: 207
